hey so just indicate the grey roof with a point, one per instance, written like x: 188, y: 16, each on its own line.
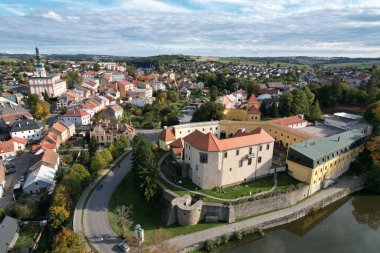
x: 25, y: 125
x: 316, y: 148
x: 8, y: 229
x: 7, y: 108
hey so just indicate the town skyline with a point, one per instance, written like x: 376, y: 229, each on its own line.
x: 195, y: 27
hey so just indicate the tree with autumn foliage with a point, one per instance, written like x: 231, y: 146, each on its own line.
x: 41, y: 110
x: 160, y: 244
x: 58, y: 215
x: 68, y: 241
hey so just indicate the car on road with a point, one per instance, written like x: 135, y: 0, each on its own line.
x: 22, y: 179
x: 10, y: 171
x: 99, y: 187
x: 9, y: 159
x: 124, y: 247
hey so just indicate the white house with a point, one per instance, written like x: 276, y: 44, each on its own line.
x: 77, y: 116
x: 27, y: 129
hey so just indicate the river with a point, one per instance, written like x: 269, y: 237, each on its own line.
x: 351, y: 225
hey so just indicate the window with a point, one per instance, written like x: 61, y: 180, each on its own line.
x: 259, y: 159
x: 241, y: 163
x: 203, y: 158
x: 282, y: 134
x: 237, y: 151
x: 230, y: 169
x: 249, y: 161
x: 225, y: 154
x: 250, y: 150
x: 260, y: 148
x: 268, y: 146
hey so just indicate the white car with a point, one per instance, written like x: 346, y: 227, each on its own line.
x: 124, y: 247
x: 22, y: 178
x: 9, y: 159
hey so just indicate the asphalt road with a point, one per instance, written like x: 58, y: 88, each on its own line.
x: 95, y: 220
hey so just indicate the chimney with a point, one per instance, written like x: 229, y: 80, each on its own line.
x: 338, y: 138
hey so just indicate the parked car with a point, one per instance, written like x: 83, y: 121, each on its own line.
x: 22, y: 179
x: 124, y: 247
x: 9, y: 159
x: 10, y: 171
x: 99, y: 187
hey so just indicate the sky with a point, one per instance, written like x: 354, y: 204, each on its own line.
x: 252, y: 28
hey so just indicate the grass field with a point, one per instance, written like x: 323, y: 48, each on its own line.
x: 26, y: 237
x: 147, y: 215
x: 170, y: 168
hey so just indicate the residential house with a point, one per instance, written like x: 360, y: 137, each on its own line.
x: 77, y: 116
x: 115, y: 111
x: 293, y: 121
x: 2, y: 181
x: 9, y: 148
x: 42, y: 172
x: 27, y: 129
x: 10, y: 112
x: 106, y: 133
x: 9, y: 229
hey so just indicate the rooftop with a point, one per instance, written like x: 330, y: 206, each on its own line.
x: 316, y: 148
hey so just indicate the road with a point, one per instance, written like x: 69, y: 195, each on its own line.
x: 95, y: 218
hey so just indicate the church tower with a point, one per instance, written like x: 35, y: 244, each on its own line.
x: 40, y: 69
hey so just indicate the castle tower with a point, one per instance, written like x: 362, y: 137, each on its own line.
x: 40, y: 69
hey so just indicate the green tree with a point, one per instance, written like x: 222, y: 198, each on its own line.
x: 107, y: 156
x: 84, y: 158
x: 300, y: 103
x: 263, y: 107
x: 274, y: 112
x: 73, y: 79
x: 213, y: 93
x: 81, y: 174
x: 373, y: 179
x: 32, y: 100
x: 286, y: 103
x: 252, y: 87
x: 124, y: 139
x: 68, y: 241
x: 97, y: 163
x: 208, y: 111
x: 310, y: 95
x: 315, y: 112
x: 144, y: 167
x: 58, y: 215
x: 93, y: 146
x: 372, y: 115
x: 96, y: 67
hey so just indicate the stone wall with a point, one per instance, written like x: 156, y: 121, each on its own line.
x: 188, y: 214
x: 269, y: 204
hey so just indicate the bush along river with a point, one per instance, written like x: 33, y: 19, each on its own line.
x: 351, y: 225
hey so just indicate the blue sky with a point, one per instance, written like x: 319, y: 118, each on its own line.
x: 194, y: 27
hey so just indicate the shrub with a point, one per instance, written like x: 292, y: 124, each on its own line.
x: 225, y: 238
x: 238, y: 235
x: 209, y: 246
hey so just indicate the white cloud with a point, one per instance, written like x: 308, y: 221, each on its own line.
x: 72, y: 19
x: 53, y: 16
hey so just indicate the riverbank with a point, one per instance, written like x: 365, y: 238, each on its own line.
x: 344, y: 187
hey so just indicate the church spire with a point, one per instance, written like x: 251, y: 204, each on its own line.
x: 40, y: 70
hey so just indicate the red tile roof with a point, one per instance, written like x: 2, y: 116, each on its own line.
x: 6, y: 146
x: 50, y: 157
x: 76, y: 113
x: 253, y: 100
x: 167, y: 134
x: 270, y: 91
x: 177, y: 146
x: 253, y: 110
x: 208, y: 142
x: 20, y: 140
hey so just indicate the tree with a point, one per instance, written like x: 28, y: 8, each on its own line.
x: 107, y: 156
x: 96, y: 67
x: 208, y: 111
x: 73, y: 79
x: 84, y: 158
x: 286, y: 103
x: 32, y: 100
x: 300, y: 103
x: 124, y: 219
x: 213, y: 93
x: 263, y: 107
x: 373, y: 179
x: 315, y: 112
x: 252, y: 88
x: 68, y: 241
x: 310, y: 95
x: 274, y: 110
x: 144, y: 167
x: 58, y: 215
x: 41, y: 110
x: 124, y: 139
x: 97, y: 163
x: 372, y: 115
x: 81, y: 174
x: 160, y: 244
x: 93, y: 146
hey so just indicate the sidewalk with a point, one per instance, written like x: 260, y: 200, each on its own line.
x: 272, y: 219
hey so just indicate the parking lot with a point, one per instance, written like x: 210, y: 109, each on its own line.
x: 21, y: 165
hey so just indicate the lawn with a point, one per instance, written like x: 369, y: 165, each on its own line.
x: 171, y: 170
x: 147, y: 215
x: 26, y: 237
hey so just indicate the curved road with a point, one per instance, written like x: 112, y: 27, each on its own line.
x: 95, y: 216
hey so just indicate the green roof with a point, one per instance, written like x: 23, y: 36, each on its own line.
x: 316, y: 148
